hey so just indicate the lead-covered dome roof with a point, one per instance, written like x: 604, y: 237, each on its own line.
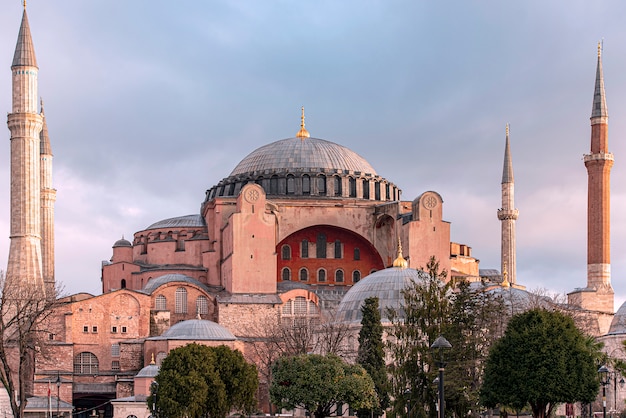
x: 308, y: 154
x: 387, y: 285
x: 197, y: 329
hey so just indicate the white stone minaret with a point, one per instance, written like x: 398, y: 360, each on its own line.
x: 25, y: 123
x: 48, y: 197
x: 508, y: 215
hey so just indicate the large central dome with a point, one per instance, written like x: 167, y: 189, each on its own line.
x: 307, y: 154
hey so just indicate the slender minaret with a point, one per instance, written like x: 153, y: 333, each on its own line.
x: 508, y: 215
x: 24, y: 268
x: 599, y: 163
x: 48, y: 197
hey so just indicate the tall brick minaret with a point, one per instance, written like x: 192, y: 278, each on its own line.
x: 598, y: 297
x: 25, y: 123
x: 508, y: 215
x: 48, y: 197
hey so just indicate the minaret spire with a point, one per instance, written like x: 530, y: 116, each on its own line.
x: 24, y: 268
x: 598, y: 296
x: 508, y: 215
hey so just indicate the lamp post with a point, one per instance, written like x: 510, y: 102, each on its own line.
x: 58, y: 383
x: 407, y: 397
x: 439, y: 345
x: 154, y: 388
x: 603, y: 373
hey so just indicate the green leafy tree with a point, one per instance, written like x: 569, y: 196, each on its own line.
x: 320, y: 384
x: 542, y: 360
x: 199, y: 381
x: 415, y: 326
x: 371, y: 355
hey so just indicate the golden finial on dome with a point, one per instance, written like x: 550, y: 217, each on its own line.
x: 599, y: 48
x: 24, y: 4
x: 505, y: 282
x: 302, y: 133
x: 152, y: 361
x: 507, y: 130
x: 400, y: 262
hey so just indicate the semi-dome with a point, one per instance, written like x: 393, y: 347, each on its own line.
x: 618, y: 325
x: 197, y: 329
x: 304, y: 154
x: 187, y: 221
x: 156, y: 282
x: 387, y: 285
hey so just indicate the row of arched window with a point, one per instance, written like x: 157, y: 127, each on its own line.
x: 303, y: 275
x: 180, y: 305
x: 320, y: 249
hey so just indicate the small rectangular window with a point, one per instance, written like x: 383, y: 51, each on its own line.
x: 85, y: 328
x: 113, y: 330
x: 94, y: 329
x: 123, y: 330
x: 115, y: 365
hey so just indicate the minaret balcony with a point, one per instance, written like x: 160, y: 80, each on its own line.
x: 600, y: 156
x: 504, y: 214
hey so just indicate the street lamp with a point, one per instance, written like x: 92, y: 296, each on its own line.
x: 439, y: 345
x: 58, y: 382
x: 154, y: 388
x: 603, y: 373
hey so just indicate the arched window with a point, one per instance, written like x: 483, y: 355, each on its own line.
x: 387, y: 196
x: 231, y: 187
x: 337, y: 180
x: 123, y: 284
x: 321, y: 245
x: 160, y: 303
x: 356, y: 276
x: 321, y: 185
x: 377, y: 190
x: 321, y: 275
x: 286, y: 273
x: 86, y: 363
x: 366, y: 189
x: 291, y: 185
x: 202, y: 305
x: 181, y: 300
x: 304, y: 275
x: 352, y: 183
x: 306, y: 184
x: 274, y: 185
x: 286, y: 252
x: 339, y: 276
x: 338, y: 252
x: 304, y: 249
x: 357, y: 253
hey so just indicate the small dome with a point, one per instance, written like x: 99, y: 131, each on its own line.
x: 302, y: 154
x: 122, y: 243
x: 187, y: 221
x: 151, y: 370
x: 618, y: 325
x: 387, y: 285
x: 197, y: 329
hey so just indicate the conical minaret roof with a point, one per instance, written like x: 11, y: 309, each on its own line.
x: 599, y: 99
x: 507, y: 171
x: 44, y: 139
x: 24, y: 50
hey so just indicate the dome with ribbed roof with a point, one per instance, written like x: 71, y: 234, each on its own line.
x: 387, y: 285
x: 197, y: 330
x: 304, y: 154
x: 122, y: 243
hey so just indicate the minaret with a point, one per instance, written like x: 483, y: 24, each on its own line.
x: 25, y: 123
x: 599, y: 163
x: 48, y: 197
x: 508, y: 215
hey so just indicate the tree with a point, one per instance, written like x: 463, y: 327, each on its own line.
x: 415, y: 326
x: 24, y: 314
x: 320, y: 384
x: 371, y: 355
x: 199, y: 381
x: 542, y: 360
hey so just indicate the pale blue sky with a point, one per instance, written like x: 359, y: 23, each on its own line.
x: 150, y: 103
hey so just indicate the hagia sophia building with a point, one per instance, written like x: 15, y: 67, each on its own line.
x: 296, y: 226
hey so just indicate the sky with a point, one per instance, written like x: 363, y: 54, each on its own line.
x: 150, y: 103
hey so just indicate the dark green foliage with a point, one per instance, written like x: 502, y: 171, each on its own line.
x: 199, y: 381
x: 541, y: 360
x: 318, y: 383
x: 371, y: 355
